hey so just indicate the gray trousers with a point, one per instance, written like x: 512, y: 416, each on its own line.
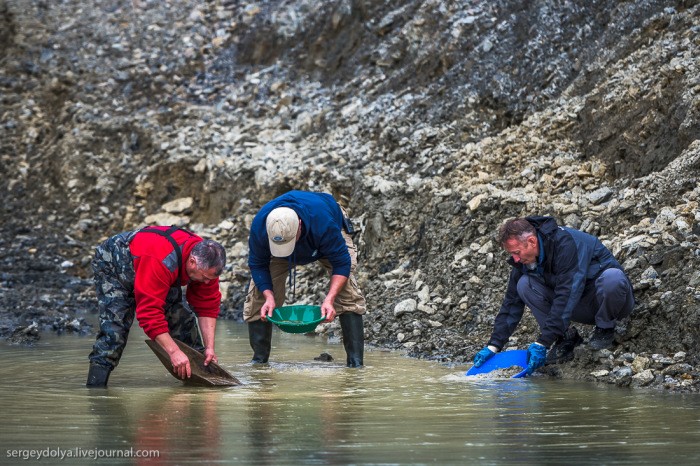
x: 604, y: 301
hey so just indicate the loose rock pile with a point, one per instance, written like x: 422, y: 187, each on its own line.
x: 432, y: 122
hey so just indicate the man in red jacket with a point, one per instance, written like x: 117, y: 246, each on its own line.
x: 141, y: 274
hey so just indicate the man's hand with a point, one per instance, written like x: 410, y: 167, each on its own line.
x: 269, y: 306
x: 327, y: 310
x: 207, y: 325
x: 482, y: 356
x: 210, y: 356
x: 536, y: 355
x: 181, y: 364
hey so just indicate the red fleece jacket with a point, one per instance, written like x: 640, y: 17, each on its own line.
x: 155, y: 265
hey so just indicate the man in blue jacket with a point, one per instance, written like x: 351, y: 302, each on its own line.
x: 298, y: 228
x: 563, y: 275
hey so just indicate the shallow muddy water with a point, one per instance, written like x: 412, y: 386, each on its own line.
x: 296, y: 410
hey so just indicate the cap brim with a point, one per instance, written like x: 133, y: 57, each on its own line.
x: 282, y: 249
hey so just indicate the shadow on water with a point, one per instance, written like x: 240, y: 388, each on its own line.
x: 299, y: 411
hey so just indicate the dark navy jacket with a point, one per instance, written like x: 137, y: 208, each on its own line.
x: 571, y: 259
x: 321, y: 235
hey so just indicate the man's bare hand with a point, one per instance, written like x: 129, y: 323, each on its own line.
x: 328, y: 311
x: 267, y: 308
x: 181, y: 364
x: 210, y: 356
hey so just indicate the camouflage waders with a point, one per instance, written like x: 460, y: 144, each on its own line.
x: 113, y: 268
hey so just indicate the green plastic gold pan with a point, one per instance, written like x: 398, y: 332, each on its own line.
x: 297, y: 319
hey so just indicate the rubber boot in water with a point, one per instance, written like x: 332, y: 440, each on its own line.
x: 260, y: 334
x: 353, y: 338
x: 98, y: 376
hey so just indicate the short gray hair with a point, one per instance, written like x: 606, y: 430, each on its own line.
x: 516, y: 228
x: 209, y: 255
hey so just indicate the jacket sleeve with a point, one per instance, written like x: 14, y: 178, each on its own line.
x: 259, y: 262
x: 151, y: 286
x: 334, y: 248
x: 510, y: 314
x: 571, y: 267
x: 205, y: 298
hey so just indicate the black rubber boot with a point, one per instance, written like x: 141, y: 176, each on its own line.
x: 563, y: 350
x: 260, y: 334
x: 98, y: 376
x: 353, y: 338
x: 602, y: 338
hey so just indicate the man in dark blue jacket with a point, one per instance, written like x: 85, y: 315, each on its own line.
x: 563, y: 275
x: 298, y: 228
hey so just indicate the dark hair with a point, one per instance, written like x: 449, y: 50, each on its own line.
x: 518, y: 228
x: 209, y: 255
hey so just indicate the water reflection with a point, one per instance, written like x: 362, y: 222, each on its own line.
x: 307, y: 423
x: 111, y: 420
x: 299, y: 411
x: 177, y: 424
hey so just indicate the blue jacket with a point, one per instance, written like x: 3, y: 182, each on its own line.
x: 321, y: 235
x: 572, y: 259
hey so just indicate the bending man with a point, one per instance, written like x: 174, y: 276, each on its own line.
x: 563, y: 275
x: 298, y: 228
x: 140, y: 274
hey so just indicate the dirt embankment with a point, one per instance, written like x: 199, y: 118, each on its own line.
x: 431, y: 121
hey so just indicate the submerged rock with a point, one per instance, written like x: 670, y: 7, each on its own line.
x: 325, y: 357
x: 25, y: 335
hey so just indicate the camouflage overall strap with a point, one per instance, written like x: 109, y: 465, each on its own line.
x: 167, y: 234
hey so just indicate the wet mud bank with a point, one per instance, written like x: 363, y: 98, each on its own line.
x: 38, y: 292
x: 430, y: 121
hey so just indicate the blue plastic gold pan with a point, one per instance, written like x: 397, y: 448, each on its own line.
x: 503, y: 360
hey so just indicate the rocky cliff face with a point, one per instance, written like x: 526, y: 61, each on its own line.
x: 431, y: 121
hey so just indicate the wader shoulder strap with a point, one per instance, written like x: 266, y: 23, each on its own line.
x: 167, y: 234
